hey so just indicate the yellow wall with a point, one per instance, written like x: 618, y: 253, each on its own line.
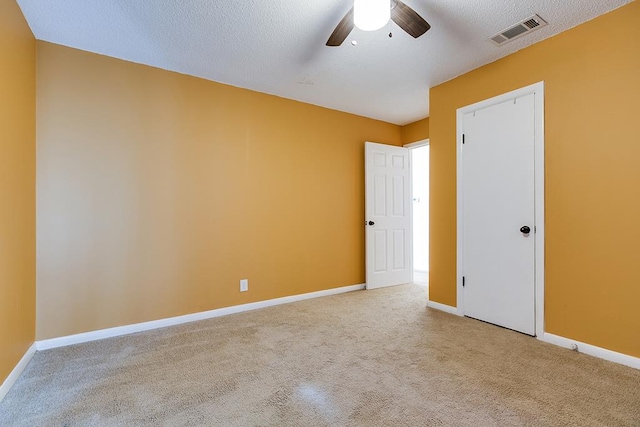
x: 415, y: 131
x: 158, y: 192
x: 592, y: 77
x: 17, y: 186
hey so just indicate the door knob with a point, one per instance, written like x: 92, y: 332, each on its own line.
x: 371, y: 223
x: 525, y: 229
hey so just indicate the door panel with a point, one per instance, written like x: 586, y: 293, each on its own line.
x: 380, y: 251
x: 388, y: 240
x: 498, y: 199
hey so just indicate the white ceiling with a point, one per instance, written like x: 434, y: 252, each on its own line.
x: 278, y: 46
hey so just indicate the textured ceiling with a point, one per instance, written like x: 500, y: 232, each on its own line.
x: 278, y: 46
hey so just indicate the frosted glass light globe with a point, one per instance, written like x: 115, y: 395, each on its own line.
x: 371, y: 15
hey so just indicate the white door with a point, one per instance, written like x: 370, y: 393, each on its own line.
x: 498, y: 214
x: 387, y: 215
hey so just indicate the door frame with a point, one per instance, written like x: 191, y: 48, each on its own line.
x: 417, y: 144
x: 410, y: 146
x: 538, y: 90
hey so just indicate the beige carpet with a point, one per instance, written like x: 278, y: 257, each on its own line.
x: 368, y: 358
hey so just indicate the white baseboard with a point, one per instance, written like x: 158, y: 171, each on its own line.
x: 589, y: 349
x: 592, y: 350
x: 443, y: 307
x: 13, y: 376
x: 178, y: 320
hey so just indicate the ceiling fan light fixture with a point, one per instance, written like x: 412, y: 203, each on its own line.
x: 371, y: 15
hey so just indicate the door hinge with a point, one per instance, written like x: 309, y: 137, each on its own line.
x: 463, y: 138
x: 463, y: 281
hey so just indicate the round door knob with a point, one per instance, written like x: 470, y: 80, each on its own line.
x: 525, y: 229
x: 371, y: 223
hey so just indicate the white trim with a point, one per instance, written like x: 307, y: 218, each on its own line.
x: 539, y: 200
x: 443, y: 307
x: 592, y: 350
x: 410, y: 206
x: 459, y: 216
x: 178, y: 320
x: 417, y: 144
x: 15, y: 373
x: 538, y: 90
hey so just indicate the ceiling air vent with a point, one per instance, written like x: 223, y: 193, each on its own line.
x: 520, y: 29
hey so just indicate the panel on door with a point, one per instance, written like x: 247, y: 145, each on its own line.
x: 388, y: 217
x: 498, y: 206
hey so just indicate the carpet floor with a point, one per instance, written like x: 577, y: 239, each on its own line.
x: 367, y: 358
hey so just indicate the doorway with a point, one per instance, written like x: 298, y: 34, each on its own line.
x: 396, y: 214
x: 419, y: 152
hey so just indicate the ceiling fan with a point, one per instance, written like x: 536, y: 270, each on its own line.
x: 371, y: 15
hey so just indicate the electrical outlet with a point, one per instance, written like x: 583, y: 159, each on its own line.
x: 244, y: 285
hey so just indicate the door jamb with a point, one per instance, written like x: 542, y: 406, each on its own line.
x: 417, y: 144
x: 538, y: 90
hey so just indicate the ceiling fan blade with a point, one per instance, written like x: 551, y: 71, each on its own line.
x: 342, y: 30
x: 409, y: 20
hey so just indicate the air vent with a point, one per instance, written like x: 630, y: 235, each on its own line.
x: 520, y: 29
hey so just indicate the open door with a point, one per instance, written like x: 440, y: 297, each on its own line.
x: 387, y: 215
